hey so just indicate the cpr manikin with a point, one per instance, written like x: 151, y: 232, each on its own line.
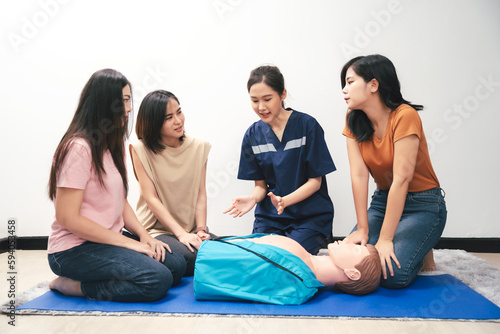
x: 352, y: 268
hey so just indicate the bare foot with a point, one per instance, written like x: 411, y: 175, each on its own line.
x: 67, y: 286
x: 429, y: 264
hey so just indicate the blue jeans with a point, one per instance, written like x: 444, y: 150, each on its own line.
x: 420, y: 227
x: 118, y: 274
x: 177, y: 246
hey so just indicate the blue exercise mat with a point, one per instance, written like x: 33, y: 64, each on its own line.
x: 431, y: 297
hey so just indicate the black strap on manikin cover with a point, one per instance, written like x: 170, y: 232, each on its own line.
x: 261, y: 256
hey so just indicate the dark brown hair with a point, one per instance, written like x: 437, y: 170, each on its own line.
x: 150, y: 119
x: 370, y: 269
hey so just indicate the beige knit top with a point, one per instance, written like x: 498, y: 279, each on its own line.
x: 176, y: 174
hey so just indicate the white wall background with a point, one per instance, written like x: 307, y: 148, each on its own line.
x: 447, y: 54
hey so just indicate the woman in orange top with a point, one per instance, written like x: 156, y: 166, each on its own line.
x: 385, y: 138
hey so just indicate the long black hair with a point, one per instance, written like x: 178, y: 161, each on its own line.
x: 382, y: 69
x: 100, y: 120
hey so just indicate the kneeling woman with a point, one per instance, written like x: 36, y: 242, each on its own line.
x: 88, y: 248
x: 286, y: 156
x: 385, y: 137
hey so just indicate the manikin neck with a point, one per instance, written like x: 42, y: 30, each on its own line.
x: 326, y: 271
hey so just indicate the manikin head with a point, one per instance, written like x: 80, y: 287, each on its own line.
x: 361, y: 265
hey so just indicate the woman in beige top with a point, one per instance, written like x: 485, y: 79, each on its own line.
x: 171, y: 169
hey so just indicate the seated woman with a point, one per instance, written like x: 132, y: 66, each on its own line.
x: 171, y: 168
x: 226, y: 272
x: 88, y: 184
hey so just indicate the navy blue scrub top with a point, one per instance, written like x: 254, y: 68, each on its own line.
x: 287, y: 165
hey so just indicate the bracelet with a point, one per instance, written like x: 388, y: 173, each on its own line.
x: 201, y: 228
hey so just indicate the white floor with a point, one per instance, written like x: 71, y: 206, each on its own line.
x: 32, y: 268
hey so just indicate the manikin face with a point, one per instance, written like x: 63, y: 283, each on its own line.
x: 173, y: 125
x: 346, y: 254
x: 356, y: 90
x: 266, y: 102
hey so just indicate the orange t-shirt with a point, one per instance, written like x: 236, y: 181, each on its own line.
x: 378, y: 154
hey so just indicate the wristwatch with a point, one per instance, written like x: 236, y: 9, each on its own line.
x: 201, y: 228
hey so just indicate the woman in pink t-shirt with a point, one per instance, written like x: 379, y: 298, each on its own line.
x: 88, y: 248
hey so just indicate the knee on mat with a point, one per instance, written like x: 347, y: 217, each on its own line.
x: 189, y: 260
x: 396, y: 282
x: 176, y: 263
x: 156, y: 285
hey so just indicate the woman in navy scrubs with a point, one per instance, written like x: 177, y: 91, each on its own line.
x: 286, y: 155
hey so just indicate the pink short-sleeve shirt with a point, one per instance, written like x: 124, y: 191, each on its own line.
x: 102, y: 205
